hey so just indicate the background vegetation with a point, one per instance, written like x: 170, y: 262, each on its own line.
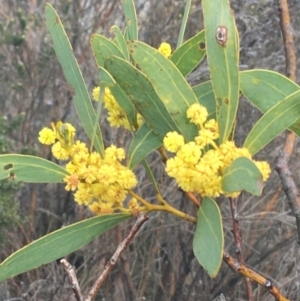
x: 159, y: 264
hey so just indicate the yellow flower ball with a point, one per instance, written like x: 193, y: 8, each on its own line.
x: 59, y: 152
x: 173, y: 141
x: 197, y: 113
x: 165, y: 49
x: 264, y: 168
x: 47, y: 136
x: 96, y: 92
x: 189, y: 153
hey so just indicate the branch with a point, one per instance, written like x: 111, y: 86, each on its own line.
x: 138, y: 224
x: 247, y: 272
x: 238, y: 243
x: 281, y: 166
x: 73, y: 279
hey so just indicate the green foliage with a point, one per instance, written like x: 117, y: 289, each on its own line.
x: 144, y: 142
x: 169, y: 84
x: 242, y: 174
x: 209, y: 239
x: 143, y: 80
x: 273, y: 122
x: 222, y: 50
x: 189, y: 55
x: 74, y: 77
x: 261, y: 87
x: 58, y: 244
x: 30, y: 169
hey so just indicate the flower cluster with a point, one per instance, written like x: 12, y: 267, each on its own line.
x: 100, y: 183
x: 198, y: 165
x: 165, y: 49
x: 116, y: 115
x: 61, y: 136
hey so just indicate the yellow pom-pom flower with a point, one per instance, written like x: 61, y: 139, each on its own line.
x: 173, y: 141
x: 96, y: 93
x: 47, y: 136
x: 59, y: 152
x: 264, y: 168
x: 165, y: 49
x: 198, y: 168
x: 197, y: 114
x: 190, y: 153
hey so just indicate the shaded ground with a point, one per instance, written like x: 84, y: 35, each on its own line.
x: 159, y: 265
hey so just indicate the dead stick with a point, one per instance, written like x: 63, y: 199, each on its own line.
x: 247, y: 272
x: 139, y: 222
x: 73, y: 279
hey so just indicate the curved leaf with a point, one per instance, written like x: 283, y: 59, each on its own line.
x: 139, y: 89
x: 143, y: 144
x: 120, y: 41
x: 242, y: 174
x: 265, y: 88
x: 183, y: 22
x: 73, y: 76
x: 131, y: 19
x: 169, y: 84
x: 57, y: 244
x: 274, y: 122
x: 103, y: 48
x: 189, y: 55
x: 30, y: 169
x: 209, y: 238
x: 206, y: 97
x: 222, y: 49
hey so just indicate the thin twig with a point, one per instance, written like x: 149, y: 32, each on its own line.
x: 73, y: 279
x: 288, y: 38
x: 238, y: 243
x: 247, y: 272
x: 281, y: 166
x: 139, y: 222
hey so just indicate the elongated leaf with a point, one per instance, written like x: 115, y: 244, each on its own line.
x: 30, y: 169
x: 120, y: 41
x: 206, y: 97
x: 189, y: 55
x: 265, y: 88
x: 222, y: 48
x: 73, y: 76
x: 131, y: 19
x: 274, y: 122
x: 121, y: 97
x: 143, y: 96
x: 169, y: 84
x: 183, y: 22
x: 103, y: 48
x: 143, y: 144
x: 57, y: 244
x: 242, y: 174
x: 209, y: 238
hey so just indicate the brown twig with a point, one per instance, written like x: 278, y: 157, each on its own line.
x: 139, y: 222
x: 193, y: 198
x: 73, y: 279
x: 281, y: 166
x: 238, y: 243
x: 288, y: 38
x: 247, y: 272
